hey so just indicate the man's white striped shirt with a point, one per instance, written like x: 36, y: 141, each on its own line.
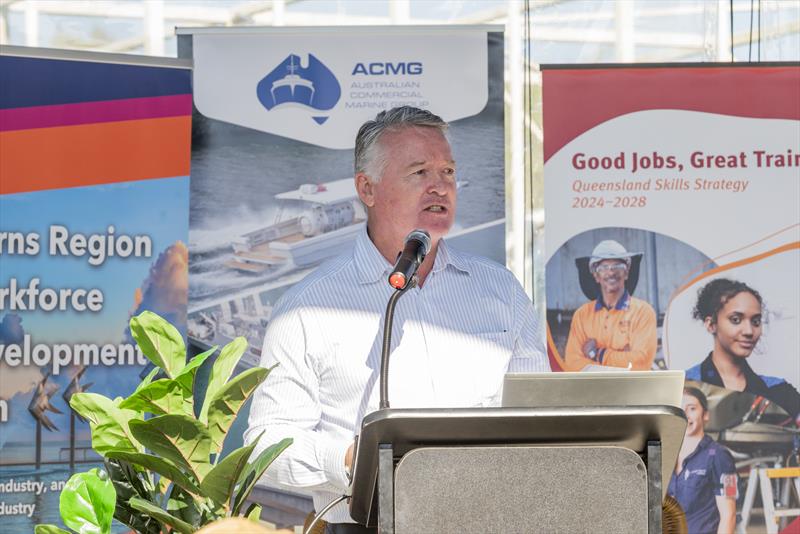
x: 453, y: 341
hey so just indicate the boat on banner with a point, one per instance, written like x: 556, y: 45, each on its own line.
x: 323, y: 217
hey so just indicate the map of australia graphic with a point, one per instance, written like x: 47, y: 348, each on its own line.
x: 290, y: 84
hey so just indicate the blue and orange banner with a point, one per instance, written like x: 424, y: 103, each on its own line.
x: 94, y: 204
x: 71, y: 123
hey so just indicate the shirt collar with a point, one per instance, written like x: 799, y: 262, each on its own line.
x: 446, y: 256
x: 701, y: 446
x: 753, y: 382
x: 370, y: 263
x: 705, y: 442
x: 623, y: 303
x: 372, y: 266
x: 708, y: 372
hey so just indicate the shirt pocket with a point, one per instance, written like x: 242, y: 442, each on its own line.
x: 621, y: 336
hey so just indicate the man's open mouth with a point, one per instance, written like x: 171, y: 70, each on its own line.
x: 436, y: 208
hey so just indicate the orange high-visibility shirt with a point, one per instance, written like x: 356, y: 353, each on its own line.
x: 625, y: 334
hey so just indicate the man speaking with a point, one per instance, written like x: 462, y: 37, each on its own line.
x: 455, y: 335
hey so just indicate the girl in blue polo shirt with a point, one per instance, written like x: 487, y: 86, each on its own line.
x: 704, y: 480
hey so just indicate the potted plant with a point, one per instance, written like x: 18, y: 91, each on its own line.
x: 162, y: 450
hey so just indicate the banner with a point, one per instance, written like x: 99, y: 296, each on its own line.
x: 276, y: 116
x: 94, y: 194
x: 688, y: 178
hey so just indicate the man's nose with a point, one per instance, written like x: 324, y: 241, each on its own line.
x: 440, y: 183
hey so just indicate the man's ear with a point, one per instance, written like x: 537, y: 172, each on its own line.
x: 365, y: 189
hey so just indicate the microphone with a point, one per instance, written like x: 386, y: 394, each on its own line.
x: 418, y: 244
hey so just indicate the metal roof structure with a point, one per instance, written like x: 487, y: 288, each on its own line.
x: 562, y: 31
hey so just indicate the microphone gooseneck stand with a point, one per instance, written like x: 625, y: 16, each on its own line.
x: 387, y: 341
x: 384, y: 378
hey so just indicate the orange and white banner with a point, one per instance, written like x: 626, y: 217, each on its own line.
x: 672, y: 197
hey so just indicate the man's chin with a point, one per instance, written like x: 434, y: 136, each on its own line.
x: 437, y: 230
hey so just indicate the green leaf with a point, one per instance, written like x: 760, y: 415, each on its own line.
x: 159, y: 341
x: 109, y: 422
x: 229, y: 356
x: 178, y: 438
x: 162, y: 466
x: 49, y: 529
x: 161, y: 515
x: 183, y: 506
x: 140, y: 522
x: 213, y: 511
x: 126, y: 479
x: 161, y: 397
x: 251, y: 476
x: 219, y: 483
x: 128, y: 484
x: 225, y: 405
x: 87, y: 502
x: 254, y: 512
x: 186, y: 377
x: 148, y: 379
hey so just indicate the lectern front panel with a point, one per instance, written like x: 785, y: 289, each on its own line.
x: 521, y: 489
x: 406, y: 430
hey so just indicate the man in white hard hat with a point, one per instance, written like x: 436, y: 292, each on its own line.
x: 614, y: 328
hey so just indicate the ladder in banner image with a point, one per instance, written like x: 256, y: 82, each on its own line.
x: 761, y: 478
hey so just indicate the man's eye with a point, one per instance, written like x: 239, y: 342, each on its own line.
x: 450, y: 171
x: 419, y: 172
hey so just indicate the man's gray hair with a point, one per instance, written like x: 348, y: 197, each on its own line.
x: 369, y: 157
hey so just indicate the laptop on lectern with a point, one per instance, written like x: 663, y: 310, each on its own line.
x: 595, y: 389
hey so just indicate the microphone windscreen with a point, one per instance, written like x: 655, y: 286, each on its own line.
x: 423, y: 237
